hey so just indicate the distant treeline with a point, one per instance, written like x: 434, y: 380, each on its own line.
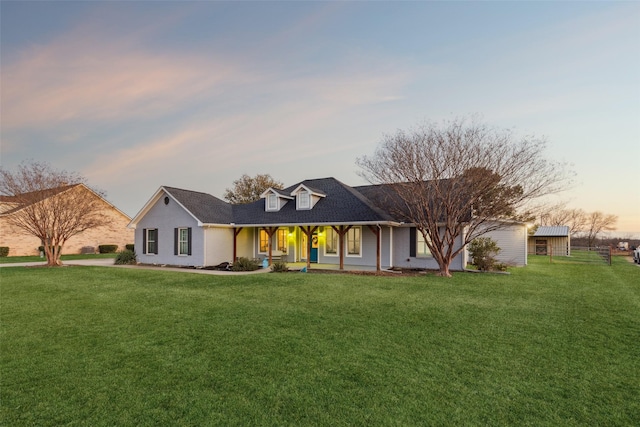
x: 606, y: 241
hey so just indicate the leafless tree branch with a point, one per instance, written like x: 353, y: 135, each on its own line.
x: 457, y: 178
x: 51, y: 205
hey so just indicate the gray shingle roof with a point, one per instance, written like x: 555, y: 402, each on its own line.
x: 386, y: 198
x: 205, y: 207
x: 343, y: 204
x: 552, y: 231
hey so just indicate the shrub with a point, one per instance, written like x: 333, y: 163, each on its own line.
x: 126, y: 257
x: 483, y: 251
x: 279, y: 267
x: 107, y: 249
x: 500, y: 266
x: 4, y: 251
x: 245, y: 264
x: 130, y: 247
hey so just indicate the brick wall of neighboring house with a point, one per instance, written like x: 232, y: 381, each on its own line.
x: 115, y: 233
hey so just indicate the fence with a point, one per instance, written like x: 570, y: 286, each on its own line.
x: 598, y: 254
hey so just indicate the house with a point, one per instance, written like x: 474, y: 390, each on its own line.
x: 550, y: 240
x: 315, y: 221
x: 21, y: 243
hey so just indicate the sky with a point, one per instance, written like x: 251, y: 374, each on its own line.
x: 136, y: 95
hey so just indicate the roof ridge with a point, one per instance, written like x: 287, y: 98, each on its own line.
x: 190, y: 191
x: 364, y: 199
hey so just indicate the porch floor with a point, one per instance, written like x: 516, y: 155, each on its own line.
x: 319, y: 266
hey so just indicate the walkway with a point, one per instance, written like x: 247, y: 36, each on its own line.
x: 108, y: 262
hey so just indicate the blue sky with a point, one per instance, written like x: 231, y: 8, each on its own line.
x: 135, y: 95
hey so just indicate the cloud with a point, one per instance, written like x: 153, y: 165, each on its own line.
x: 88, y: 82
x: 124, y: 110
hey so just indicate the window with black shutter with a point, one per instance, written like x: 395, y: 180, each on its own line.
x: 182, y: 241
x: 150, y: 241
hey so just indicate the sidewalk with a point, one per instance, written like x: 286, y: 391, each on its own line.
x: 108, y: 262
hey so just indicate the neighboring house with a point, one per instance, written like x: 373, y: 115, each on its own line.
x: 551, y: 240
x: 315, y: 221
x: 21, y: 243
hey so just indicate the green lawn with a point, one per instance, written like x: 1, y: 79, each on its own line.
x: 14, y: 259
x: 551, y: 344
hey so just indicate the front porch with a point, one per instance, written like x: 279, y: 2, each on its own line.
x: 326, y: 247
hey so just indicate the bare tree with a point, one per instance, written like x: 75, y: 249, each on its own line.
x: 49, y: 204
x: 596, y: 223
x: 248, y: 189
x: 453, y: 181
x: 575, y: 219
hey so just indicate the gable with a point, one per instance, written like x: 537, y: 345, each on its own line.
x: 203, y: 207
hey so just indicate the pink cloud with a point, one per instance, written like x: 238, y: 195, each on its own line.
x: 87, y: 80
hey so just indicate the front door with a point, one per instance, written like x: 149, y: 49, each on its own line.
x: 314, y: 248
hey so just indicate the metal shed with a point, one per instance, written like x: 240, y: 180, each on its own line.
x: 554, y: 239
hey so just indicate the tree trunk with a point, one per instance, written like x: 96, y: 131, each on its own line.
x: 444, y: 272
x: 53, y: 255
x: 443, y: 264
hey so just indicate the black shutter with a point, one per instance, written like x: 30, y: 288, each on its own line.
x: 175, y: 241
x: 189, y: 241
x: 144, y: 240
x: 157, y: 242
x: 412, y: 241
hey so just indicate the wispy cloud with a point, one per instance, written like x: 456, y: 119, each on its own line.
x: 89, y: 80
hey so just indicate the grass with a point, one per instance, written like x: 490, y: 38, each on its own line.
x: 19, y: 259
x: 550, y: 344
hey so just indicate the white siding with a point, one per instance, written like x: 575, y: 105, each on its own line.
x: 166, y: 217
x: 244, y: 244
x: 513, y: 244
x: 218, y: 245
x: 402, y: 258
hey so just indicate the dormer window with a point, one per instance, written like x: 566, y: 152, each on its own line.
x: 274, y: 199
x: 306, y: 197
x: 304, y: 200
x: 272, y: 202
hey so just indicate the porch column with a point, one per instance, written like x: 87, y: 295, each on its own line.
x: 270, y: 232
x: 375, y: 230
x: 342, y: 231
x: 308, y: 231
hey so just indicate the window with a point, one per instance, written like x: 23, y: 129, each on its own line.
x: 304, y: 200
x: 281, y: 235
x: 183, y: 241
x: 422, y: 250
x: 272, y: 202
x: 331, y: 242
x: 353, y: 241
x: 151, y: 237
x: 264, y: 241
